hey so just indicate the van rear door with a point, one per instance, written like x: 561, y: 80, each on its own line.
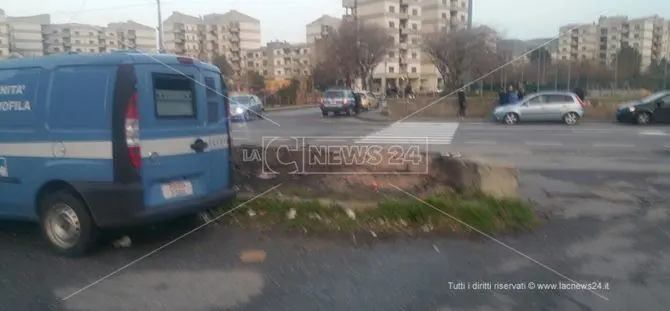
x: 220, y: 170
x: 172, y: 133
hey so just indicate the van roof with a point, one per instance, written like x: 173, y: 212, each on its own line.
x: 114, y: 58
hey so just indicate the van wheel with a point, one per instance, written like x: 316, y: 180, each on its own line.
x: 67, y: 225
x: 571, y: 118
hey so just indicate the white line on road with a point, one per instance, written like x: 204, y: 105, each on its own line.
x: 481, y: 142
x: 653, y: 133
x: 543, y: 144
x: 597, y: 145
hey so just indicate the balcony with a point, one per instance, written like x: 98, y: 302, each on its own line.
x: 403, y: 15
x: 234, y: 29
x: 235, y: 48
x: 234, y: 39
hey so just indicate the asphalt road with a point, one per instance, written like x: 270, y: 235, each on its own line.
x: 607, y: 228
x: 587, y: 146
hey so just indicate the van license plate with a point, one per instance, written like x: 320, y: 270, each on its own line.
x: 177, y: 189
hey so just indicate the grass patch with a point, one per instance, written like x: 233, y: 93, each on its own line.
x: 444, y: 213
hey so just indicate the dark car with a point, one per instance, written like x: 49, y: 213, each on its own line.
x: 654, y: 108
x: 340, y: 101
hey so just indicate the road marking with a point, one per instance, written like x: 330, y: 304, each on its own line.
x: 597, y: 145
x: 544, y: 144
x: 437, y: 133
x: 481, y: 142
x: 653, y: 133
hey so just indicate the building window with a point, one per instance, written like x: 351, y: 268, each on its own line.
x: 77, y: 41
x: 391, y: 69
x: 444, y: 2
x: 414, y: 55
x: 415, y: 12
x: 76, y: 33
x: 391, y: 54
x: 91, y: 50
x: 392, y: 9
x: 91, y: 34
x: 391, y: 24
x: 415, y: 41
x: 413, y: 69
x: 415, y: 27
x: 444, y: 15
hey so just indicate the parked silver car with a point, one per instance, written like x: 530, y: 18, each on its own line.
x: 246, y: 107
x: 540, y: 107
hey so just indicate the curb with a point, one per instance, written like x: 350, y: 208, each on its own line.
x: 362, y: 116
x: 290, y: 108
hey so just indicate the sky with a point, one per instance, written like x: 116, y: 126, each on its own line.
x: 285, y: 20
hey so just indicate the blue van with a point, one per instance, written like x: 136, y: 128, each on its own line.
x: 107, y: 141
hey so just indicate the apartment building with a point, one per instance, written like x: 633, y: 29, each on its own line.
x: 83, y: 38
x: 321, y: 27
x: 4, y: 35
x: 130, y: 35
x: 407, y: 21
x: 436, y: 16
x: 402, y: 19
x: 22, y: 35
x: 211, y: 35
x: 601, y: 40
x: 280, y: 60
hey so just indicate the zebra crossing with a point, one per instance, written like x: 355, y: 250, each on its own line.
x: 431, y: 133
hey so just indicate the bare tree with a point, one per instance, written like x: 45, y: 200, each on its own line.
x: 354, y: 50
x: 224, y: 65
x: 372, y: 43
x: 460, y: 54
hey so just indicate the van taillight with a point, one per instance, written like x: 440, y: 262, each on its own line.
x: 185, y: 60
x: 133, y: 132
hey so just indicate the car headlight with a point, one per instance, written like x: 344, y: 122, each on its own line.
x: 239, y: 110
x: 631, y: 108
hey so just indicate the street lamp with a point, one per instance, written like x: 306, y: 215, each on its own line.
x: 161, y: 44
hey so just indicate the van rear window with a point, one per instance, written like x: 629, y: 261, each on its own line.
x: 175, y: 96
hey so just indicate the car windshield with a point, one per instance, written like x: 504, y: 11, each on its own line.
x: 333, y: 94
x: 240, y: 100
x: 653, y: 97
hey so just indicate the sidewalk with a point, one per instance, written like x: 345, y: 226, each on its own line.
x: 376, y: 116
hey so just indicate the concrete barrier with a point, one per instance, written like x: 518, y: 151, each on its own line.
x: 481, y: 107
x: 316, y: 172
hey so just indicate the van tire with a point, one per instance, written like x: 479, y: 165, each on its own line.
x: 63, y: 203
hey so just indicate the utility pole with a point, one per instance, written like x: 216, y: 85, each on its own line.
x: 569, y: 72
x: 539, y: 64
x: 616, y: 73
x: 161, y: 44
x: 665, y: 76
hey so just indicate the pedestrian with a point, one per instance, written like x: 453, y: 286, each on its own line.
x: 521, y: 93
x: 461, y: 104
x: 580, y: 93
x: 408, y: 91
x: 502, y: 96
x: 512, y: 96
